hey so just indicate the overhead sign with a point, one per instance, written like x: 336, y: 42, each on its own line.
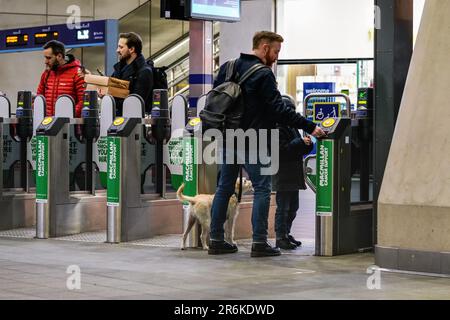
x: 90, y: 33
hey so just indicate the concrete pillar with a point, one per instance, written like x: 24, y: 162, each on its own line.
x: 414, y: 200
x: 200, y: 62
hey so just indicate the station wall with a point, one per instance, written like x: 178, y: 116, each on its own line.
x: 21, y: 71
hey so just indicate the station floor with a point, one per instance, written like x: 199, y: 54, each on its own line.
x: 157, y: 269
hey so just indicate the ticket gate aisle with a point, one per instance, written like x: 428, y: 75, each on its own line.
x: 131, y: 213
x: 17, y: 197
x: 341, y: 227
x: 59, y: 211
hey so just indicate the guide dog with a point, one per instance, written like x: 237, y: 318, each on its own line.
x: 200, y: 210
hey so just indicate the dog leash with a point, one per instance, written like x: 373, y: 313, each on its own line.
x: 239, y: 196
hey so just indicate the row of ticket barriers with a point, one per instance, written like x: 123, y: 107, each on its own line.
x: 55, y: 171
x: 65, y: 175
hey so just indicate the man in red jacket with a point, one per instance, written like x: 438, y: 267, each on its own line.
x: 61, y: 77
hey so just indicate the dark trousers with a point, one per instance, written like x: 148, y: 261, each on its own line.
x: 287, y: 206
x: 261, y: 201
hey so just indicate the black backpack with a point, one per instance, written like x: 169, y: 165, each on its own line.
x: 159, y: 76
x: 224, y: 104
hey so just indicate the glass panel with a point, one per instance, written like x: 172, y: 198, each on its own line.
x: 326, y: 29
x: 294, y: 79
x: 164, y: 31
x: 341, y: 77
x: 138, y: 21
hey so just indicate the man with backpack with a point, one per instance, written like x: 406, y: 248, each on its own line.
x: 263, y: 108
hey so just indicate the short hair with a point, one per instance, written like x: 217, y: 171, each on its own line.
x: 133, y: 41
x: 268, y: 36
x: 57, y: 47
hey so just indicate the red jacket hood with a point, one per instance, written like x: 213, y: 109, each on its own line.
x: 71, y: 63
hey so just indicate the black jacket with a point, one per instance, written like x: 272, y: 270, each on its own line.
x: 140, y: 75
x: 264, y: 107
x: 292, y: 149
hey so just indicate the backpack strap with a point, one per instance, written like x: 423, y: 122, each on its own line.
x: 230, y: 70
x: 251, y: 71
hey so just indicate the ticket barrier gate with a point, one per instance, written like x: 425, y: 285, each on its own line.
x: 132, y: 214
x: 17, y: 198
x: 60, y: 212
x: 198, y: 176
x: 341, y: 227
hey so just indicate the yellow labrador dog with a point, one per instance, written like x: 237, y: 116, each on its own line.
x: 200, y: 210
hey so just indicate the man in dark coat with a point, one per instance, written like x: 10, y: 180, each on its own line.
x: 263, y: 109
x: 133, y: 67
x: 289, y: 180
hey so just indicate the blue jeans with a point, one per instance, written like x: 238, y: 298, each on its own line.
x: 261, y: 200
x: 287, y: 206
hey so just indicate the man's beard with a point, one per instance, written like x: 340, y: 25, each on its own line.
x: 269, y: 61
x: 54, y: 66
x: 125, y: 57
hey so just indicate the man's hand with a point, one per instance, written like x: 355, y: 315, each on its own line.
x: 100, y: 94
x: 82, y: 72
x: 318, y: 132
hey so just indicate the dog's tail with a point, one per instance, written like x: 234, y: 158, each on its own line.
x: 182, y: 197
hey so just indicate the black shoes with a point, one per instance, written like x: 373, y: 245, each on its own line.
x: 286, y: 244
x: 264, y: 250
x: 296, y: 242
x: 221, y: 247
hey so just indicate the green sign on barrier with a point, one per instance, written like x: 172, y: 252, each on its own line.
x: 190, y: 166
x: 324, y: 194
x: 113, y: 171
x: 42, y: 169
x: 102, y: 147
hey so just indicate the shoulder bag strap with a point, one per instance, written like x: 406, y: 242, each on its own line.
x: 230, y: 70
x: 251, y: 71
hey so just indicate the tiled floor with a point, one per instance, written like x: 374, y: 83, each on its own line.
x: 158, y: 269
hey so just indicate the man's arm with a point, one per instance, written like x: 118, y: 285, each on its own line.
x: 79, y: 84
x: 41, y: 86
x: 278, y: 111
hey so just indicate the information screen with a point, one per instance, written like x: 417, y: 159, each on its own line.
x: 44, y: 37
x: 16, y: 40
x: 220, y: 10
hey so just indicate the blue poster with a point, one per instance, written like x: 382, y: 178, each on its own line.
x: 318, y: 87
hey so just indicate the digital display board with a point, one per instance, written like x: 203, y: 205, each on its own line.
x: 44, y: 37
x: 220, y: 10
x: 16, y: 40
x: 91, y: 33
